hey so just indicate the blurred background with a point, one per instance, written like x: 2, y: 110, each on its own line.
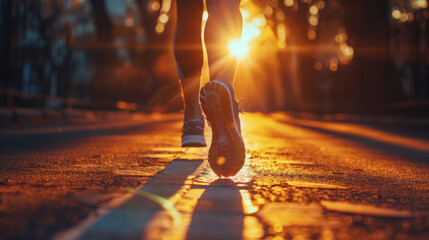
x: 316, y: 56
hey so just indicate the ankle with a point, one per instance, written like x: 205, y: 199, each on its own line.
x: 193, y: 112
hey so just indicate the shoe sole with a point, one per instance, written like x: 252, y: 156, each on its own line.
x: 193, y: 141
x: 227, y: 151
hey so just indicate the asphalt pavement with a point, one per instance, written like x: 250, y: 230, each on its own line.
x: 128, y: 178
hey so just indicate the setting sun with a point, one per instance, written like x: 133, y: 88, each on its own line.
x: 238, y: 48
x: 251, y: 30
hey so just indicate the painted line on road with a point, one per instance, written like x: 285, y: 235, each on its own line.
x: 126, y: 217
x: 209, y: 207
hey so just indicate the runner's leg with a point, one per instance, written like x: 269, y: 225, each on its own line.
x: 223, y: 25
x: 188, y: 51
x: 227, y: 152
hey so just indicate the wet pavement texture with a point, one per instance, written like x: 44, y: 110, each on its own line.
x: 128, y: 179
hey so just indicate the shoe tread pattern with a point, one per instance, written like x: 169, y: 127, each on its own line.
x: 216, y: 104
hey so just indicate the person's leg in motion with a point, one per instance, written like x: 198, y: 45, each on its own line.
x: 223, y: 25
x: 227, y: 151
x: 188, y: 51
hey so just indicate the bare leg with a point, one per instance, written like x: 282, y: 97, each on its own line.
x: 189, y: 53
x: 227, y: 152
x: 223, y: 25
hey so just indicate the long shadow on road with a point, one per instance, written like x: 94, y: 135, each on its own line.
x: 219, y: 213
x: 130, y: 219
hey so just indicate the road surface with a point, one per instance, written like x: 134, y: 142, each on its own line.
x: 128, y: 179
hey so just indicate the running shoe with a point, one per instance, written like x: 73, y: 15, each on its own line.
x: 193, y: 133
x: 227, y: 151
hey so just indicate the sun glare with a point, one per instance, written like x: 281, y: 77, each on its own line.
x: 238, y: 48
x: 251, y: 30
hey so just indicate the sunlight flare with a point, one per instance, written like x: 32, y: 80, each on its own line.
x: 238, y: 48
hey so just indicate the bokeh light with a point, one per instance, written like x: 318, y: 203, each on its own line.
x: 396, y: 14
x: 416, y: 4
x: 313, y: 10
x: 288, y: 3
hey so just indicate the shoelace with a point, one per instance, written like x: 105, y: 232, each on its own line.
x: 190, y: 122
x: 240, y: 110
x: 207, y: 120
